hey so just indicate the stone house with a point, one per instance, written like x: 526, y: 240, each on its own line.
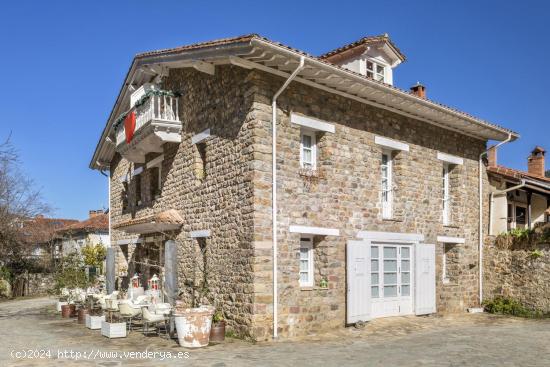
x: 94, y: 230
x: 376, y: 210
x: 518, y: 199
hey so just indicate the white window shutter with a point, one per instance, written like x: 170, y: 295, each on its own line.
x: 358, y: 277
x: 425, y: 279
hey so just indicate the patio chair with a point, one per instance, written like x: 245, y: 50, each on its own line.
x: 151, y: 318
x: 127, y: 312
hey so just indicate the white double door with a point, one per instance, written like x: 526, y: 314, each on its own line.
x: 391, y: 280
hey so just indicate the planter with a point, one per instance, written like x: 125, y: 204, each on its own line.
x: 113, y: 330
x: 217, y: 332
x: 82, y: 313
x: 72, y: 307
x: 193, y: 326
x: 59, y: 304
x: 94, y: 322
x: 67, y: 311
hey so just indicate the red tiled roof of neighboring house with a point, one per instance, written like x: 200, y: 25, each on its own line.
x: 515, y: 173
x: 363, y: 42
x: 98, y: 222
x: 41, y: 229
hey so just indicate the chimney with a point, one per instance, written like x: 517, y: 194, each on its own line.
x: 535, y: 162
x: 492, y: 156
x: 95, y: 213
x: 419, y: 90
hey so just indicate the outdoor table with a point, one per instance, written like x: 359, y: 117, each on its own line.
x: 110, y: 312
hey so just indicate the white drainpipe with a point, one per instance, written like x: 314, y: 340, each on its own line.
x: 274, y: 192
x: 480, y: 247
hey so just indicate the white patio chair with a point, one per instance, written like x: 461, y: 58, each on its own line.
x: 128, y: 312
x: 151, y: 318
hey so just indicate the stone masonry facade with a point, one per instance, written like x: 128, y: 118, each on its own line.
x: 233, y: 200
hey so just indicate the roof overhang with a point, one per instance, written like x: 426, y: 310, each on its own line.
x: 168, y: 220
x: 255, y: 52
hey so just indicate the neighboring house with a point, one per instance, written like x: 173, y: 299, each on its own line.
x: 94, y: 230
x: 376, y: 211
x: 40, y: 235
x: 518, y: 199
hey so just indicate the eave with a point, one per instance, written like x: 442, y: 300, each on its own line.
x: 254, y: 52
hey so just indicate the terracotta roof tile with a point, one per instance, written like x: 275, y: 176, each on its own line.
x: 170, y: 216
x: 363, y: 41
x: 97, y: 222
x: 514, y: 173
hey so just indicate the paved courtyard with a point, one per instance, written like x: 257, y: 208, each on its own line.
x: 460, y: 340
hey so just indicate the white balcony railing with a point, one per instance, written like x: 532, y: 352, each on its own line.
x: 158, y: 109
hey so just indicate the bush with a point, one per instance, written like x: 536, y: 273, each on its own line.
x: 510, y: 306
x: 70, y: 274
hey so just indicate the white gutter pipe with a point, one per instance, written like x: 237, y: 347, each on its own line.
x: 480, y: 247
x: 274, y: 193
x: 499, y: 193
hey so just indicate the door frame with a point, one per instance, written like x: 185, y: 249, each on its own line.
x: 412, y: 271
x: 375, y: 237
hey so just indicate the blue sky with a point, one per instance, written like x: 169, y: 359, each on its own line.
x: 63, y: 62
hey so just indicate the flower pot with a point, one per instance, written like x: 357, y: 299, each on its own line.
x: 72, y: 307
x: 94, y: 322
x: 193, y: 326
x: 82, y: 313
x: 66, y: 311
x: 59, y: 304
x: 113, y: 329
x: 217, y: 332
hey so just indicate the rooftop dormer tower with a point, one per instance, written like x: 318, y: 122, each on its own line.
x: 374, y: 57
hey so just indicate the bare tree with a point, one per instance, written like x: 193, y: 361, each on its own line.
x: 19, y: 201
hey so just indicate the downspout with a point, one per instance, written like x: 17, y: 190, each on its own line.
x: 274, y: 192
x: 480, y: 247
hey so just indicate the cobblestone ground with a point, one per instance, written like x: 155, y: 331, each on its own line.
x: 459, y: 340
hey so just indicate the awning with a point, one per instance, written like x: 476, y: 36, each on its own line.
x: 168, y: 220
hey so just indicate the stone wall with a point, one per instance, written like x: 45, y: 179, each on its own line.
x: 222, y: 202
x: 516, y: 273
x: 38, y: 284
x: 234, y: 200
x: 346, y: 196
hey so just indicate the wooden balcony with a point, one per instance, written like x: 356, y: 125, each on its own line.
x: 155, y: 121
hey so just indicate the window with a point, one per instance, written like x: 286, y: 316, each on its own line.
x: 306, y: 262
x: 446, y: 196
x: 387, y: 197
x: 375, y: 70
x: 125, y: 195
x: 155, y: 181
x: 137, y: 183
x: 308, y: 150
x: 200, y: 161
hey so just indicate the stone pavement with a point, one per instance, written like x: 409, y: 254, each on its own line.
x: 457, y: 340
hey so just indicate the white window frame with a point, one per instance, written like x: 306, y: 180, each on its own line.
x: 313, y: 148
x: 306, y: 242
x: 387, y: 205
x: 375, y: 74
x: 446, y: 195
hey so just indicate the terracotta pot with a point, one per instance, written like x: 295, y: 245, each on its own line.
x: 82, y: 312
x: 193, y: 326
x: 73, y: 311
x: 217, y: 332
x: 66, y: 311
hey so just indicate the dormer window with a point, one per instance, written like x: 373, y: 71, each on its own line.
x: 375, y: 70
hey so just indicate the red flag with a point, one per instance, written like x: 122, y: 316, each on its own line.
x: 130, y: 126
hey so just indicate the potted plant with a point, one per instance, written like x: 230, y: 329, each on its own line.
x: 69, y: 276
x: 193, y: 325
x: 217, y: 332
x: 114, y: 327
x: 95, y: 315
